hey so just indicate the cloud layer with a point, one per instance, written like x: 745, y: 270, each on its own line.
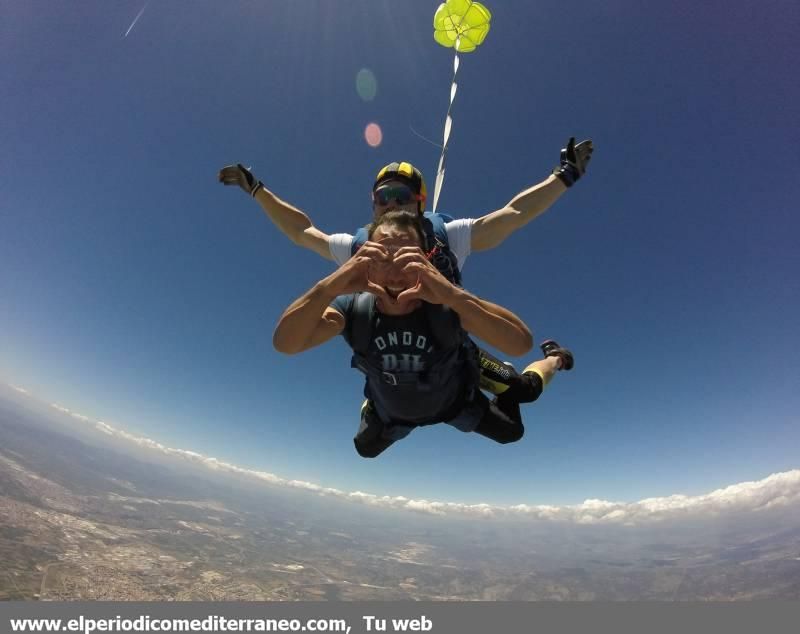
x: 777, y: 490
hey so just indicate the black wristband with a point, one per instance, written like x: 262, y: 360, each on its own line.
x: 566, y: 175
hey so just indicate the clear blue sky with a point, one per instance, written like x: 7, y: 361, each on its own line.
x: 137, y: 290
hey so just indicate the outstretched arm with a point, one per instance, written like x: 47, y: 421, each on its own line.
x: 495, y: 325
x: 295, y: 224
x: 292, y: 222
x: 490, y: 230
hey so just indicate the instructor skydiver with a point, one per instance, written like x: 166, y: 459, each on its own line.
x: 401, y: 187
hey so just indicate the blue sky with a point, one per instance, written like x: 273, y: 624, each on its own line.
x: 139, y: 291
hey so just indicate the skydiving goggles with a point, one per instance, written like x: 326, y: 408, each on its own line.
x: 402, y: 194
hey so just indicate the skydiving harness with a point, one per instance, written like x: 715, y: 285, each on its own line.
x: 437, y: 245
x: 456, y: 352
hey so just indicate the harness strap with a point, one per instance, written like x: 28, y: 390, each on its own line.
x: 363, y: 315
x: 445, y: 325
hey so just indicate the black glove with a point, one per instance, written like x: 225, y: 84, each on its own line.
x: 574, y: 159
x: 239, y: 175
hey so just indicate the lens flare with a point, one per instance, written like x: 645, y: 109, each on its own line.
x: 373, y: 134
x: 366, y: 84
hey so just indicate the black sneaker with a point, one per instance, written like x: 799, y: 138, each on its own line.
x: 551, y: 349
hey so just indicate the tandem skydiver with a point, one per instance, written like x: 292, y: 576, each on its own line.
x: 401, y: 187
x: 408, y: 327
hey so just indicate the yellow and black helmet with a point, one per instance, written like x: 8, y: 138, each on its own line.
x: 403, y: 171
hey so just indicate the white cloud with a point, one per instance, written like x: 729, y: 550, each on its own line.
x: 777, y: 490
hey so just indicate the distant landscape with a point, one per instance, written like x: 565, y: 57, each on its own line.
x: 82, y: 519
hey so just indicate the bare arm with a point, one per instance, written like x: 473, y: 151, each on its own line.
x: 294, y: 224
x: 490, y: 230
x: 499, y: 328
x: 495, y: 325
x: 309, y: 320
x: 512, y: 318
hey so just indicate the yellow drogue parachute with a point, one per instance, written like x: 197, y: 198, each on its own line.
x: 462, y: 25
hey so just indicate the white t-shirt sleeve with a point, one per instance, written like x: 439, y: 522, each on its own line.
x: 459, y: 235
x: 340, y: 245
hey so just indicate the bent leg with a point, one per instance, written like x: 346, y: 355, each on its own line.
x: 369, y: 440
x: 545, y: 369
x: 502, y: 379
x: 495, y: 376
x: 502, y: 421
x: 374, y: 436
x: 497, y: 424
